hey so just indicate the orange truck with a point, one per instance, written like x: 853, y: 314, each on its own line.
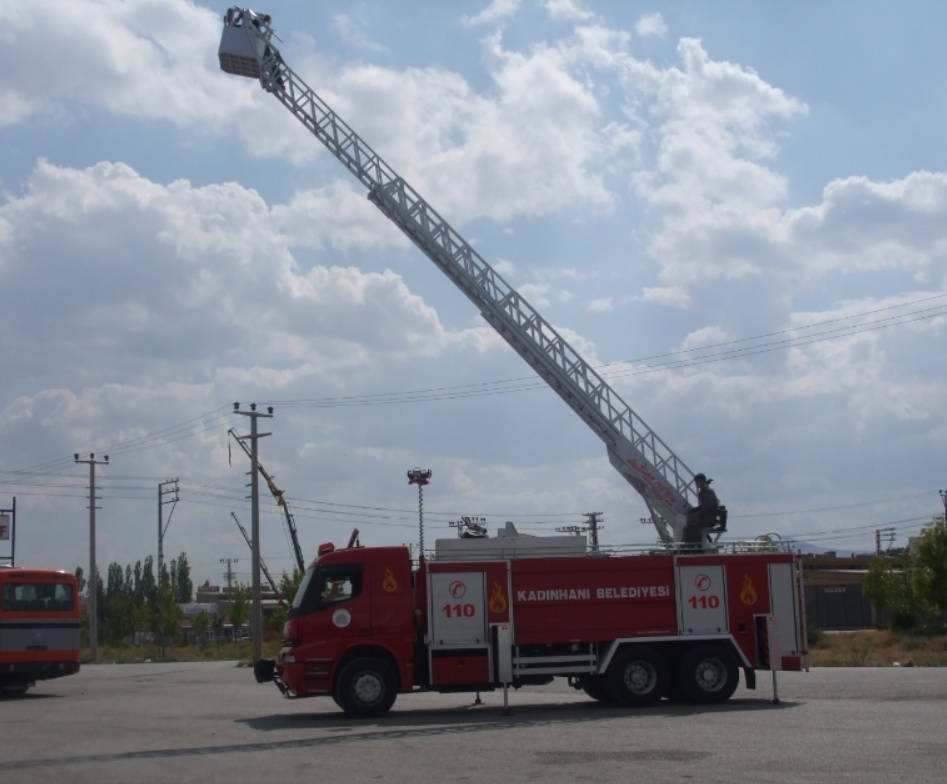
x: 39, y: 627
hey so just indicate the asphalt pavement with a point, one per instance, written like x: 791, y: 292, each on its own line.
x: 211, y: 722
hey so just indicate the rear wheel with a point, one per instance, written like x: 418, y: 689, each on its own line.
x: 707, y: 674
x: 597, y: 688
x: 366, y: 687
x: 637, y: 677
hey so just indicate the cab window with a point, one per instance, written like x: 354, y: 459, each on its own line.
x: 339, y: 584
x: 327, y: 586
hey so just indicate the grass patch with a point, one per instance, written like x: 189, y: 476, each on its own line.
x: 241, y: 652
x: 870, y: 648
x: 876, y: 648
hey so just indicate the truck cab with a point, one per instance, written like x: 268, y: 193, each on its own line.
x: 350, y: 632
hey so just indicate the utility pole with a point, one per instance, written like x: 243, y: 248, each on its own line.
x: 256, y: 611
x: 93, y: 577
x: 592, y: 520
x: 943, y: 497
x: 228, y: 575
x: 889, y: 534
x: 420, y: 477
x: 164, y: 492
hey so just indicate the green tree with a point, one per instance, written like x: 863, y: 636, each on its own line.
x: 906, y: 605
x: 929, y: 579
x: 117, y: 613
x: 288, y: 586
x: 879, y: 583
x: 239, y: 609
x: 200, y: 623
x: 217, y: 624
x: 166, y: 622
x: 149, y: 586
x: 142, y: 617
x: 181, y: 579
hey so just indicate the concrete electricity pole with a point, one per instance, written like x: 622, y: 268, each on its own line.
x: 228, y: 575
x: 592, y: 520
x: 165, y: 489
x: 162, y: 529
x: 93, y: 577
x: 256, y: 611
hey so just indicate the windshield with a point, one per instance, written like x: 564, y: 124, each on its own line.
x: 34, y: 596
x: 303, y: 586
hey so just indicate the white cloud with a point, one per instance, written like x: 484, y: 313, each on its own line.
x: 601, y: 305
x: 651, y: 25
x: 567, y: 10
x: 351, y: 30
x: 138, y: 301
x: 496, y: 10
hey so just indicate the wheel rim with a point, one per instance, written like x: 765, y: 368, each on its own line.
x: 711, y: 675
x: 368, y: 688
x: 640, y: 678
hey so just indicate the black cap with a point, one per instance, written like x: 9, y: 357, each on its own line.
x: 702, y: 478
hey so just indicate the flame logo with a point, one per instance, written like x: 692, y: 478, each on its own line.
x: 748, y: 594
x: 497, y: 603
x: 389, y: 584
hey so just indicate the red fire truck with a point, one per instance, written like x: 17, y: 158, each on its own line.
x: 39, y: 627
x: 515, y: 610
x: 511, y: 610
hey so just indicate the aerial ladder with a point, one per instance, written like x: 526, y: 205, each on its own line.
x: 664, y: 482
x: 266, y: 572
x: 280, y: 501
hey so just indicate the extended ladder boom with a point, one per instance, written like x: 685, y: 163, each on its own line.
x: 649, y: 465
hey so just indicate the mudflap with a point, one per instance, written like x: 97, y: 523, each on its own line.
x: 264, y: 670
x: 750, y: 675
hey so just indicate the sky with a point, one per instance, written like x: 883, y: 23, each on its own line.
x: 736, y: 212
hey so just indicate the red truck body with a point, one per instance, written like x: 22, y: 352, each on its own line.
x: 628, y: 629
x: 39, y: 627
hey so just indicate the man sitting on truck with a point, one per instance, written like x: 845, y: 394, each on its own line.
x: 702, y: 516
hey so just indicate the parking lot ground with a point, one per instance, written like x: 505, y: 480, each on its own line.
x: 211, y: 722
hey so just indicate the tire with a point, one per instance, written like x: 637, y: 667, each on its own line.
x: 637, y: 677
x: 366, y: 687
x: 597, y: 688
x: 707, y: 675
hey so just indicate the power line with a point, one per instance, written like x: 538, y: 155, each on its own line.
x: 674, y: 360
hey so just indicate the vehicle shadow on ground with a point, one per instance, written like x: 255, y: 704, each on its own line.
x: 337, y: 730
x: 407, y: 720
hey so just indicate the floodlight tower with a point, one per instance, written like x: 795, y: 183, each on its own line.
x: 420, y: 477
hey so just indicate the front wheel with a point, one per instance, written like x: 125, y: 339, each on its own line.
x: 637, y: 677
x: 707, y: 674
x: 366, y: 687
